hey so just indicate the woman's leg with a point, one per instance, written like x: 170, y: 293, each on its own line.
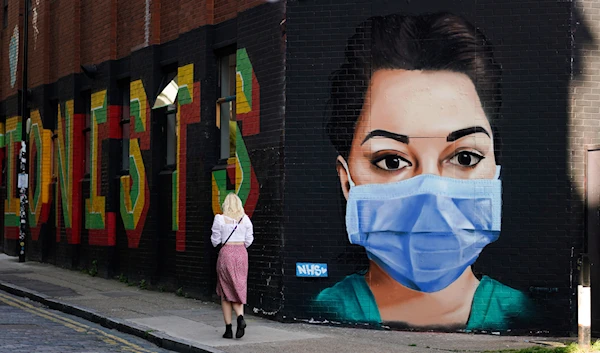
x: 241, y: 323
x: 238, y: 308
x: 226, y: 307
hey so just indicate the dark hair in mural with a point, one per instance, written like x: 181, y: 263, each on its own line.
x: 440, y: 41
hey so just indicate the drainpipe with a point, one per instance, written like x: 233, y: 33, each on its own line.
x: 584, y: 304
x: 23, y: 181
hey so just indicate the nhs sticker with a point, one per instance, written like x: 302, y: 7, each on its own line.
x: 311, y: 270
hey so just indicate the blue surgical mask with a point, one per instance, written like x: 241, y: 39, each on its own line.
x: 426, y: 230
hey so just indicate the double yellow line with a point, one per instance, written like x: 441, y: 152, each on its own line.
x: 74, y: 325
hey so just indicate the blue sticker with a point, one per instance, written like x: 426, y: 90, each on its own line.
x: 311, y: 270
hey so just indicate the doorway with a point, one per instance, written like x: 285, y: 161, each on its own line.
x: 592, y: 221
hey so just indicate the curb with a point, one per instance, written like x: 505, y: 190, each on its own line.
x: 158, y: 338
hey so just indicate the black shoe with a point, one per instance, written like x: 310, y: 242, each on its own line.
x: 228, y: 332
x: 241, y: 325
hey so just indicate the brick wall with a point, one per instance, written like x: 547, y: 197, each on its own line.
x: 97, y: 33
x: 169, y: 20
x: 584, y: 126
x: 131, y: 28
x: 266, y: 55
x: 10, y: 61
x: 64, y: 44
x: 102, y: 30
x: 583, y: 130
x: 225, y: 10
x: 542, y: 225
x: 292, y: 189
x: 316, y: 36
x: 39, y: 37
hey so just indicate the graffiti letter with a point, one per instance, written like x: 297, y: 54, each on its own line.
x: 134, y: 192
x: 11, y: 204
x: 40, y: 141
x: 187, y: 113
x: 95, y: 205
x: 70, y: 169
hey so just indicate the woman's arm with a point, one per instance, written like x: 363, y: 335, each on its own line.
x: 215, y: 238
x: 249, y: 238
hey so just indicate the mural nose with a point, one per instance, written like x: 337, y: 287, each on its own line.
x: 430, y: 167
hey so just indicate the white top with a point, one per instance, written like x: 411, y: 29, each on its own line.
x: 223, y: 226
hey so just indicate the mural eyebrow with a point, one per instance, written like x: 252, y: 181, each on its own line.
x: 455, y: 135
x: 387, y: 134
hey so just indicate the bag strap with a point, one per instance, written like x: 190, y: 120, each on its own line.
x: 234, y: 228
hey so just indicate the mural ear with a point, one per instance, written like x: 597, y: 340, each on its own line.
x: 343, y: 175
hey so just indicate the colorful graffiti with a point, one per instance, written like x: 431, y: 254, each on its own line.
x: 422, y: 208
x: 187, y: 113
x: 134, y: 191
x: 101, y: 225
x: 95, y: 205
x: 57, y: 157
x: 239, y: 171
x: 40, y: 157
x: 70, y: 172
x: 2, y: 149
x: 11, y: 203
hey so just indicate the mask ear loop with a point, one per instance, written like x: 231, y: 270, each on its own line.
x: 497, y: 176
x: 345, y: 165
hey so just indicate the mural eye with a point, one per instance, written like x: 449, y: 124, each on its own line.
x: 466, y: 159
x: 392, y: 163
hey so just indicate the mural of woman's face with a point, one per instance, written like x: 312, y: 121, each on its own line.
x: 420, y: 122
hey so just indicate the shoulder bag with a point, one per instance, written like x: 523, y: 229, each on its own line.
x: 234, y: 228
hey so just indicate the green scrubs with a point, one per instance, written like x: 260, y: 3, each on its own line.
x: 495, y: 306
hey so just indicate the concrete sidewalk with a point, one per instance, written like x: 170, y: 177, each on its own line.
x: 188, y: 325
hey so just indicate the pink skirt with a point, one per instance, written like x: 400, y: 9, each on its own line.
x: 232, y: 273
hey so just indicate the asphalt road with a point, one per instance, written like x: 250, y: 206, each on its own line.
x: 28, y: 327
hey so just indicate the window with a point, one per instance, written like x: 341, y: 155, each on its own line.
x: 166, y: 106
x: 167, y: 102
x: 5, y: 14
x: 226, y: 106
x: 54, y: 119
x: 171, y: 135
x: 125, y: 119
x: 87, y: 127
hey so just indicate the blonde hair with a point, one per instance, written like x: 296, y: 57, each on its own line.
x: 232, y: 207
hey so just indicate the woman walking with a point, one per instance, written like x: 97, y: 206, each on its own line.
x: 233, y: 230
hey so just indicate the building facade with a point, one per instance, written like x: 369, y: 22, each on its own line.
x: 315, y: 114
